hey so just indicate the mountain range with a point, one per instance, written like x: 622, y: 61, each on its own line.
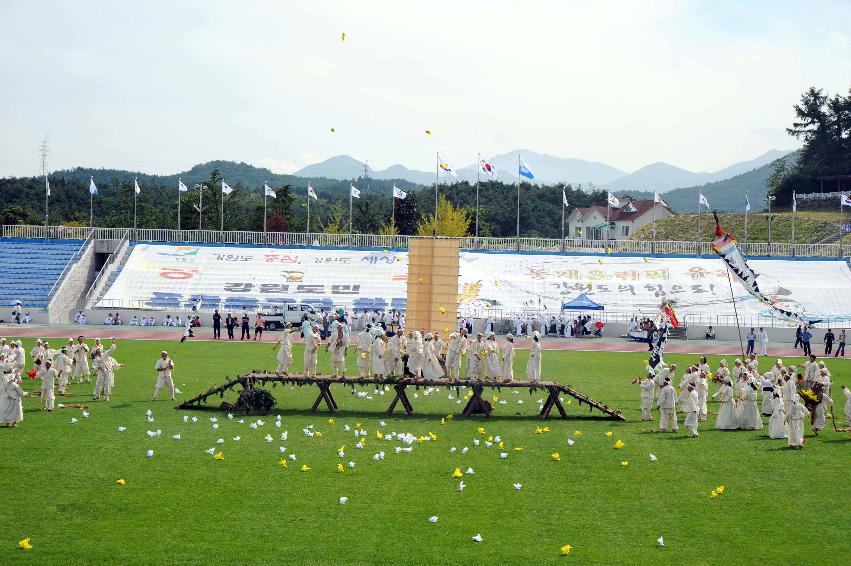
x: 549, y: 169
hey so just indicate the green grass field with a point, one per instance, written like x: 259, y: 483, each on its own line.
x: 182, y: 506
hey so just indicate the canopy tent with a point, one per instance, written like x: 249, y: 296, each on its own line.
x: 582, y: 303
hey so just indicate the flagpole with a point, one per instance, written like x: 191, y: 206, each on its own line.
x: 745, y: 249
x: 608, y: 221
x: 518, y: 202
x: 350, y: 210
x: 178, y: 207
x: 393, y: 209
x: 653, y: 243
x: 794, y: 213
x: 562, y: 218
x: 200, y: 207
x: 91, y: 208
x: 46, y: 207
x: 699, y: 236
x: 265, y: 197
x: 308, y: 211
x: 135, y: 194
x: 436, y: 177
x: 222, y: 225
x: 478, y: 168
x: 841, y: 194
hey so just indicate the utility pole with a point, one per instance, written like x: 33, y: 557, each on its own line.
x: 43, y: 153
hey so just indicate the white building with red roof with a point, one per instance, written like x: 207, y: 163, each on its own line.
x: 623, y: 221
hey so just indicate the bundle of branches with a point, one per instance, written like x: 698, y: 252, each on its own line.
x: 255, y: 400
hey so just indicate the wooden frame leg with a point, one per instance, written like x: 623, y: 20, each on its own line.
x: 552, y: 400
x: 401, y: 397
x: 476, y: 404
x: 324, y: 395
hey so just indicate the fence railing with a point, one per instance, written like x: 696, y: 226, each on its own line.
x: 644, y: 247
x: 74, y: 258
x: 104, y: 271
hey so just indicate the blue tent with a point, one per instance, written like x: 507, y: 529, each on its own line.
x: 582, y: 303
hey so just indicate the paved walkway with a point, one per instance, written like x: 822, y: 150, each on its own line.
x: 712, y: 347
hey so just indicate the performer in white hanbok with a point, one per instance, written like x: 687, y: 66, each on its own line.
x: 648, y: 390
x: 493, y: 366
x: 392, y: 359
x: 48, y: 376
x: 453, y: 356
x: 337, y: 345
x: 17, y: 359
x: 749, y: 417
x: 104, y: 365
x: 508, y: 359
x: 767, y: 384
x: 11, y: 406
x: 64, y: 367
x: 416, y: 355
x: 37, y: 352
x: 726, y: 419
x: 795, y: 423
x: 666, y: 373
x: 311, y: 346
x: 379, y: 350
x: 667, y: 408
x: 285, y: 353
x: 364, y: 346
x: 163, y: 367
x: 403, y: 349
x: 474, y: 358
x: 847, y: 393
x: 431, y: 368
x: 788, y: 391
x: 80, y: 355
x: 702, y: 389
x: 692, y: 408
x: 777, y: 422
x: 533, y: 366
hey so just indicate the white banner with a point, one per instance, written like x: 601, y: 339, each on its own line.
x: 164, y: 275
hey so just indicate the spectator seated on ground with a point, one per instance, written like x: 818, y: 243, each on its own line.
x: 108, y: 320
x: 196, y: 322
x: 151, y: 321
x: 167, y: 320
x: 117, y: 319
x: 83, y: 319
x: 598, y: 329
x: 134, y: 321
x: 710, y: 334
x: 27, y: 319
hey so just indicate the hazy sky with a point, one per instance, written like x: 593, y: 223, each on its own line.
x: 161, y: 85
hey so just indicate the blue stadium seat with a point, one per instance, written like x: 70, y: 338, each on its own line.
x: 30, y: 268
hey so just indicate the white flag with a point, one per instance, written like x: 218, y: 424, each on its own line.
x: 181, y: 187
x: 47, y: 186
x: 355, y: 193
x: 398, y: 193
x: 844, y: 200
x: 93, y: 189
x: 613, y: 200
x: 564, y: 198
x: 311, y: 193
x: 136, y: 186
x: 267, y: 190
x: 702, y: 200
x: 747, y: 204
x: 794, y: 202
x: 658, y: 199
x: 226, y: 188
x: 444, y: 166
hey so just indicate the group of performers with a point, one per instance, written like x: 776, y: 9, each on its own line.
x: 789, y: 394
x: 57, y: 369
x: 386, y: 354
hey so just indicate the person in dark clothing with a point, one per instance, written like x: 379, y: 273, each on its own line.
x: 650, y: 332
x: 230, y: 323
x: 217, y: 325
x: 841, y: 347
x: 798, y: 333
x: 246, y: 330
x: 829, y: 337
x: 805, y: 340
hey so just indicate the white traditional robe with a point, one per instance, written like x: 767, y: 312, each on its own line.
x: 692, y: 408
x: 392, y: 358
x: 847, y: 392
x: 285, y: 352
x: 163, y: 368
x: 364, y: 347
x: 64, y: 366
x: 533, y: 366
x: 667, y: 407
x: 81, y: 362
x: 777, y: 422
x: 431, y: 368
x: 11, y: 407
x: 416, y: 355
x: 493, y: 367
x: 508, y: 362
x: 453, y: 355
x: 311, y: 345
x: 104, y: 366
x: 702, y: 392
x: 795, y: 422
x: 48, y: 378
x: 648, y: 389
x: 788, y: 391
x: 726, y: 419
x: 379, y: 349
x: 749, y: 416
x: 474, y: 359
x: 767, y: 395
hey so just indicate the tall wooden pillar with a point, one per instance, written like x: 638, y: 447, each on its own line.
x: 433, y: 266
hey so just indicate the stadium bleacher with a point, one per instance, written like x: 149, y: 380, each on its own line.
x: 30, y: 268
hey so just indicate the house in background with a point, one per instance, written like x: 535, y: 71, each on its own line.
x: 623, y: 222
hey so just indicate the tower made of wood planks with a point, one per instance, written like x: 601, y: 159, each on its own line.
x: 433, y: 266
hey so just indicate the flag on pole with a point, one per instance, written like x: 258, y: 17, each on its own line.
x: 702, y: 200
x: 844, y: 200
x: 563, y: 197
x: 398, y: 193
x: 747, y: 204
x: 311, y: 193
x: 47, y: 186
x: 794, y: 202
x: 444, y: 166
x: 355, y: 192
x: 613, y: 201
x: 181, y: 187
x: 93, y: 189
x: 267, y: 190
x: 658, y: 199
x: 226, y: 188
x: 136, y: 186
x: 488, y: 168
x: 524, y: 171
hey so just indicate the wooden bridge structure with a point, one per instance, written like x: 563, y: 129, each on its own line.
x: 475, y: 404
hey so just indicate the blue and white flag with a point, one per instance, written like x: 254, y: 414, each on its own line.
x: 747, y: 204
x: 181, y: 187
x: 399, y: 193
x: 93, y: 189
x: 226, y: 188
x: 267, y: 191
x: 354, y: 191
x: 136, y: 186
x: 524, y: 171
